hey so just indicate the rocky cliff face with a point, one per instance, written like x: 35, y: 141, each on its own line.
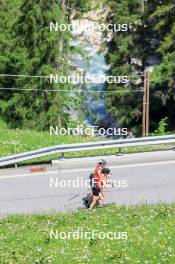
x: 88, y: 27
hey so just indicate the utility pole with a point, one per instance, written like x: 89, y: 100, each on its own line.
x: 143, y: 6
x: 147, y: 105
x: 144, y: 104
x: 145, y: 115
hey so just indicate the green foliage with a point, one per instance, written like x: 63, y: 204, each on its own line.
x: 79, y: 6
x: 151, y: 37
x: 125, y: 57
x: 29, y: 48
x: 162, y: 128
x: 163, y: 77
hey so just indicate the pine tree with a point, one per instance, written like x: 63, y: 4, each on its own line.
x: 163, y: 77
x: 37, y: 52
x: 149, y: 42
x: 126, y: 57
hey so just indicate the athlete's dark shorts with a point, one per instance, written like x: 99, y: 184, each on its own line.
x: 96, y: 191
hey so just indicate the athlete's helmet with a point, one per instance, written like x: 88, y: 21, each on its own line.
x: 106, y: 171
x: 102, y: 162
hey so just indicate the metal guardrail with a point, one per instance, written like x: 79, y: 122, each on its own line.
x: 121, y: 143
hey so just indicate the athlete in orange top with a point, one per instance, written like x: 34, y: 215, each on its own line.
x: 98, y: 176
x: 98, y: 183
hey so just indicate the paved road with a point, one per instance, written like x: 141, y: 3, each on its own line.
x: 150, y: 178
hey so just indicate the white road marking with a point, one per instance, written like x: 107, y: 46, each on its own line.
x: 90, y: 169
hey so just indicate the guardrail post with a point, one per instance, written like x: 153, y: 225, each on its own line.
x: 16, y: 166
x: 62, y: 155
x: 119, y: 153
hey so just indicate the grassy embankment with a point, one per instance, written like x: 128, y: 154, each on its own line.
x: 150, y: 237
x: 14, y: 141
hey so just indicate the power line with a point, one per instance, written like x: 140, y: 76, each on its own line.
x: 22, y: 75
x: 47, y: 77
x: 42, y: 76
x: 66, y: 90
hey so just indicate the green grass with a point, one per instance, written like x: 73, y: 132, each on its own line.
x: 150, y: 231
x: 13, y: 141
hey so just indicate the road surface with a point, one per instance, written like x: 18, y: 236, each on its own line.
x: 148, y: 177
